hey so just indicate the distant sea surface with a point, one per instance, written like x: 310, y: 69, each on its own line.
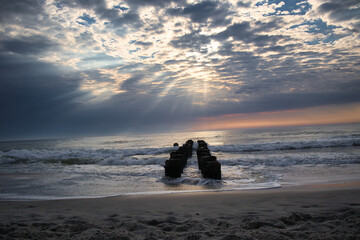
x: 133, y: 164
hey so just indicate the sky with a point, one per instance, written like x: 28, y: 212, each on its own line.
x: 104, y: 67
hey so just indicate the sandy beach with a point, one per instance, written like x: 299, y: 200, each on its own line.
x: 307, y: 212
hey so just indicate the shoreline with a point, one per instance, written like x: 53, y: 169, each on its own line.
x: 324, y: 211
x: 140, y: 194
x: 320, y: 186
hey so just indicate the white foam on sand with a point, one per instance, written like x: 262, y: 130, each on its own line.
x: 16, y: 197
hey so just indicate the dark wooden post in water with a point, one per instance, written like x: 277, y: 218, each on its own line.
x: 210, y: 167
x: 175, y: 165
x: 208, y: 164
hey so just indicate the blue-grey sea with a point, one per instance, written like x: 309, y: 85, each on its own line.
x: 133, y: 164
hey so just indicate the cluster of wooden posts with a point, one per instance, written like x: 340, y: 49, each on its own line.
x: 208, y: 164
x: 174, y: 166
x: 210, y: 167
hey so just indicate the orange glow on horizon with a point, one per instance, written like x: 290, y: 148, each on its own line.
x: 331, y: 114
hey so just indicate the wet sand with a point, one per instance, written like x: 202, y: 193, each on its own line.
x: 307, y: 212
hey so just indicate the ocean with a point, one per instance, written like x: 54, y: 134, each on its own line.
x: 94, y: 167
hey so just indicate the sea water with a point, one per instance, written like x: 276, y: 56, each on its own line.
x: 133, y: 164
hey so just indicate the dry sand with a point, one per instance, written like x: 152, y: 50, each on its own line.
x: 309, y: 212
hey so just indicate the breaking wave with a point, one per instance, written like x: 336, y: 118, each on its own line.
x: 279, y: 153
x: 350, y: 141
x: 141, y: 156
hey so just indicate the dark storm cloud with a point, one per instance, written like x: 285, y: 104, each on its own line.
x: 279, y: 49
x: 129, y: 18
x: 193, y: 40
x: 34, y: 96
x: 244, y: 32
x: 39, y: 99
x: 10, y: 9
x: 286, y: 101
x: 238, y: 62
x: 283, y: 101
x: 85, y: 39
x: 262, y: 92
x: 216, y: 12
x: 116, y: 18
x: 239, y: 31
x: 144, y: 113
x: 139, y: 3
x: 275, y: 23
x: 80, y: 3
x: 26, y: 80
x: 343, y: 10
x: 245, y: 4
x: 27, y: 45
x: 171, y: 62
x: 203, y: 11
x: 144, y: 44
x: 130, y: 84
x: 266, y: 40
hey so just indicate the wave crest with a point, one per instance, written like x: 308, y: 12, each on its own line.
x: 281, y: 146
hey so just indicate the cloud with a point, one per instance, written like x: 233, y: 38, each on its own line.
x: 216, y: 13
x: 130, y: 83
x: 34, y: 95
x: 10, y: 9
x: 338, y: 12
x: 144, y: 44
x: 34, y: 44
x: 140, y: 3
x: 193, y: 40
x: 105, y: 66
x: 243, y: 31
x: 341, y: 10
x: 273, y: 24
x: 115, y: 17
x: 244, y: 4
x: 239, y: 31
